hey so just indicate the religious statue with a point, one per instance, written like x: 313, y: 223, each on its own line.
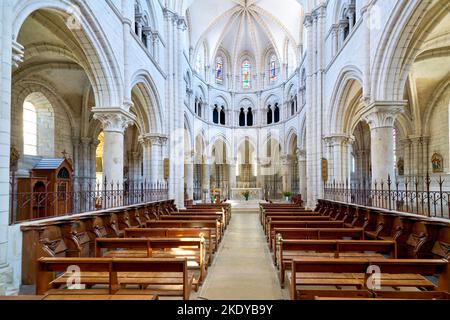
x: 437, y: 162
x: 401, y: 166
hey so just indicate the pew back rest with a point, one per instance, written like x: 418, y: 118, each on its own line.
x: 47, y: 267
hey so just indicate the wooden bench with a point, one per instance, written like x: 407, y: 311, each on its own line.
x: 186, y: 217
x: 224, y: 207
x: 164, y: 277
x: 352, y: 274
x: 192, y: 249
x: 288, y: 250
x: 176, y: 233
x: 265, y: 215
x: 300, y: 224
x: 316, y: 234
x: 210, y: 224
x: 205, y: 212
x: 271, y: 218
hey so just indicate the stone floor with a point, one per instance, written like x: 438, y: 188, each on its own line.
x: 242, y: 268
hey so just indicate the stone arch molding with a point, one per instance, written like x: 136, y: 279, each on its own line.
x: 339, y: 112
x: 408, y: 26
x: 23, y: 88
x: 103, y: 65
x: 222, y: 138
x: 151, y: 112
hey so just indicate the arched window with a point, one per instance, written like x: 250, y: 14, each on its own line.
x: 246, y: 74
x: 222, y: 116
x: 216, y: 115
x: 249, y: 117
x: 276, y: 113
x: 29, y: 129
x: 199, y: 108
x: 273, y: 69
x: 219, y: 70
x: 292, y: 106
x: 242, y: 118
x: 38, y: 126
x: 195, y: 105
x: 269, y: 115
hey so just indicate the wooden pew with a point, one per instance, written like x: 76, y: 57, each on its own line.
x: 165, y: 277
x: 216, y: 234
x: 265, y: 215
x: 185, y: 217
x: 203, y: 212
x: 288, y: 250
x: 269, y: 219
x: 193, y: 249
x: 175, y: 233
x: 316, y: 234
x: 226, y: 207
x: 351, y: 273
x: 270, y: 234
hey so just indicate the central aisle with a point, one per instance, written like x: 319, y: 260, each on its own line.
x: 243, y: 268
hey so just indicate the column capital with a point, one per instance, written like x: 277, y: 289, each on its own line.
x: 153, y: 139
x: 382, y: 114
x: 114, y: 119
x: 85, y: 141
x: 338, y: 139
x: 301, y: 154
x: 418, y: 139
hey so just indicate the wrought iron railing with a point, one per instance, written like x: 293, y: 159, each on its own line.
x: 420, y: 195
x: 28, y: 202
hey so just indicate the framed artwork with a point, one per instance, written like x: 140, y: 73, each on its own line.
x: 437, y: 162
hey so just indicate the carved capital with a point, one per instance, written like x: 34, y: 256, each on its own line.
x: 153, y: 139
x: 383, y: 114
x: 338, y: 139
x: 114, y: 119
x: 301, y: 154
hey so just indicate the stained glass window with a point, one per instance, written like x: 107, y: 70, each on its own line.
x: 246, y: 74
x: 219, y: 70
x: 273, y: 69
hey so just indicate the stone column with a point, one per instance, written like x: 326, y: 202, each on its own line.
x: 114, y: 122
x: 157, y: 169
x: 406, y: 146
x: 232, y: 173
x: 342, y: 25
x: 380, y: 118
x: 190, y: 176
x: 146, y: 157
x: 86, y: 155
x: 6, y: 63
x: 340, y: 146
x: 206, y: 184
x: 334, y: 40
x: 91, y: 174
x: 301, y: 157
x: 285, y: 172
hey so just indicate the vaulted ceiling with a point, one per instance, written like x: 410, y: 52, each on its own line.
x: 239, y: 26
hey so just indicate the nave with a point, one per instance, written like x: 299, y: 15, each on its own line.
x: 155, y: 251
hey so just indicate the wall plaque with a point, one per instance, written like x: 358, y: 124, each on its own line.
x: 166, y: 168
x: 324, y: 169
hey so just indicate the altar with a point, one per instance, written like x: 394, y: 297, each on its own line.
x: 255, y: 193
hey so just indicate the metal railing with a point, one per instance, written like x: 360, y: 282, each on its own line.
x: 420, y: 195
x: 32, y: 200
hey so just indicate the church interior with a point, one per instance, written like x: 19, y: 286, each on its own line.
x: 225, y: 149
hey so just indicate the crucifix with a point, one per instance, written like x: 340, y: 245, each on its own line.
x: 64, y: 153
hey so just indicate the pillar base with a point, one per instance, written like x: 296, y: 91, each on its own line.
x: 7, y: 287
